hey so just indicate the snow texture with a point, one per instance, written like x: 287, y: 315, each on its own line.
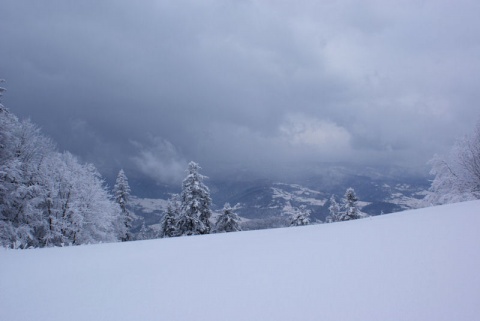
x: 300, y: 194
x: 415, y: 265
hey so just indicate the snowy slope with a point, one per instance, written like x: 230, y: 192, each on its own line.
x: 415, y: 265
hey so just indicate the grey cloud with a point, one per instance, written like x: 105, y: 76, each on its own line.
x: 160, y: 160
x: 226, y: 81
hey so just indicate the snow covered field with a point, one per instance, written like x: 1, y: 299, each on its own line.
x: 416, y: 265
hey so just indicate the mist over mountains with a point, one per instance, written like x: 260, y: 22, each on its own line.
x: 380, y: 190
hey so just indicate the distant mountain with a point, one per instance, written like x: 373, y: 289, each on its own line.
x: 383, y: 190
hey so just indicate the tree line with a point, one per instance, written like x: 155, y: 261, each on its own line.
x: 49, y: 198
x: 347, y: 210
x: 189, y: 213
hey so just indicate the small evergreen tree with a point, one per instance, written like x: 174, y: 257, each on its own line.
x: 350, y: 209
x: 121, y: 192
x: 195, y: 200
x: 334, y: 210
x: 142, y: 234
x: 168, y: 225
x: 228, y: 221
x: 300, y: 216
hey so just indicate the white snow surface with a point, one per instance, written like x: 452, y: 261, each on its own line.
x: 415, y: 265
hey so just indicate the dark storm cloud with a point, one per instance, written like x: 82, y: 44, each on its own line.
x: 151, y: 85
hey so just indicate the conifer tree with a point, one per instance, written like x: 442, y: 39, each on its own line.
x: 168, y: 225
x: 300, y: 216
x: 334, y: 210
x: 142, y: 234
x: 350, y: 209
x: 228, y: 221
x: 195, y: 204
x: 121, y: 192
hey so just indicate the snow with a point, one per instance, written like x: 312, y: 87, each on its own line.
x: 300, y: 194
x: 362, y: 204
x: 415, y: 265
x: 406, y: 202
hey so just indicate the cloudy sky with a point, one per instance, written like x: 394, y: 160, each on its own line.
x: 151, y: 85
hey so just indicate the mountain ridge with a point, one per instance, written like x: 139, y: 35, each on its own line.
x: 263, y: 199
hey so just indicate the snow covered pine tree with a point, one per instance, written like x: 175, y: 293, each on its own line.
x: 334, y: 210
x: 195, y: 200
x: 228, y: 221
x: 350, y: 209
x: 121, y: 191
x: 300, y: 216
x: 168, y: 225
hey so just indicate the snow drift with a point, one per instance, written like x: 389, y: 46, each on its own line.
x: 415, y: 265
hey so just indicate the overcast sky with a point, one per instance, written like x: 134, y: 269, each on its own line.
x: 151, y: 85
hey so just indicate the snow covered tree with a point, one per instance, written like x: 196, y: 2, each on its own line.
x: 23, y: 150
x: 121, y: 191
x: 350, y: 209
x: 56, y: 203
x: 334, y: 210
x: 143, y: 233
x: 168, y: 225
x: 300, y: 216
x: 195, y: 201
x: 457, y: 176
x: 228, y: 221
x: 88, y: 212
x: 48, y: 198
x: 23, y: 154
